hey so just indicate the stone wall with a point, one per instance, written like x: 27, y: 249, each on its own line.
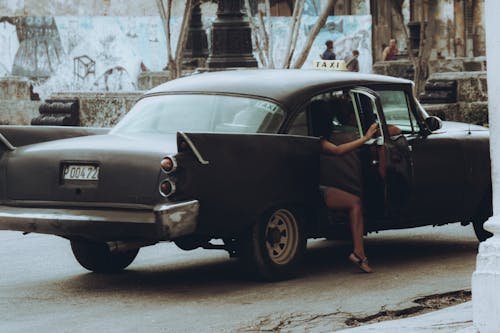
x: 459, y: 93
x: 101, y: 109
x: 399, y: 68
x: 459, y: 64
x: 458, y: 96
x: 16, y: 106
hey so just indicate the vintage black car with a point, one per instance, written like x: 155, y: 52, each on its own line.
x: 235, y: 156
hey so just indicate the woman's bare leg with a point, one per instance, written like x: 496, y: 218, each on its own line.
x: 338, y: 199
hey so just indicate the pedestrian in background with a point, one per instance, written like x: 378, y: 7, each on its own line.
x: 352, y: 63
x: 329, y: 54
x: 391, y: 51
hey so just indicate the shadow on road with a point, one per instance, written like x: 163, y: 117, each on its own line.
x: 389, y: 253
x: 212, y: 276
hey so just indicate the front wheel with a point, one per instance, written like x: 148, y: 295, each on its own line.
x: 485, y: 211
x: 276, y: 245
x: 480, y: 232
x: 98, y: 258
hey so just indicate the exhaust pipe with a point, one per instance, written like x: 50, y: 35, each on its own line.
x: 123, y: 246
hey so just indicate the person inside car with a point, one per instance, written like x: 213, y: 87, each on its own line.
x: 336, y: 194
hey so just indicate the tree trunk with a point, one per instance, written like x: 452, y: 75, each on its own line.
x: 269, y: 29
x: 294, y: 33
x: 174, y: 62
x: 183, y: 36
x: 265, y: 39
x: 165, y: 13
x: 255, y: 34
x: 314, y: 32
x: 420, y: 63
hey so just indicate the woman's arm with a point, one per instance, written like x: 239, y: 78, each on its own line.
x: 330, y: 148
x: 393, y: 130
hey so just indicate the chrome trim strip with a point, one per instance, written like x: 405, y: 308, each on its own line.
x: 193, y: 148
x: 165, y: 222
x: 83, y: 205
x: 61, y: 215
x: 6, y: 142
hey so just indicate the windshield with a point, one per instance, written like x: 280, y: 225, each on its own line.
x: 397, y: 111
x: 201, y: 113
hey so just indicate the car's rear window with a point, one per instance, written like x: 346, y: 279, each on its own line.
x: 201, y: 113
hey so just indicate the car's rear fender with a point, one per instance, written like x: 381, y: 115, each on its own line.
x: 237, y: 177
x: 19, y: 136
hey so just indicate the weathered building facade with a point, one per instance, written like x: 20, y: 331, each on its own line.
x: 454, y: 35
x: 458, y: 30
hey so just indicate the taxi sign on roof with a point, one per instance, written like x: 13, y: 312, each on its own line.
x: 330, y: 65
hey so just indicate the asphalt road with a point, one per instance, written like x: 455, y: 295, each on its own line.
x: 43, y: 289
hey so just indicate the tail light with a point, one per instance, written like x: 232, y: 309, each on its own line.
x: 167, y: 188
x: 169, y: 164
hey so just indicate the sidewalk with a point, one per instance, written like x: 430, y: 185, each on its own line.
x: 454, y: 319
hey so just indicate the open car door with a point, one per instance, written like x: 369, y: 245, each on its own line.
x: 387, y: 162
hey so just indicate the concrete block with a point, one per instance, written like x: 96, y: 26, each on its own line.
x: 467, y: 112
x: 14, y: 88
x: 17, y: 112
x: 475, y: 112
x: 397, y: 68
x: 445, y: 111
x: 101, y: 109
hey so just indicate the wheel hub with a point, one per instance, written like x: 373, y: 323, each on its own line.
x: 282, y: 236
x: 274, y: 236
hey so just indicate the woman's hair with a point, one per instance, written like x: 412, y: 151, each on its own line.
x: 321, y: 118
x: 344, y: 112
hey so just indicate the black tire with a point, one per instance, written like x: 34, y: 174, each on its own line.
x: 481, y: 234
x: 97, y: 257
x: 275, y: 246
x: 485, y: 211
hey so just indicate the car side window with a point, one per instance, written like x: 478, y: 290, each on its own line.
x: 299, y: 125
x: 397, y: 111
x: 334, y: 117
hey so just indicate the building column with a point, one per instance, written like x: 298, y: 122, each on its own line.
x: 486, y: 278
x: 460, y: 38
x: 478, y: 25
x: 231, y: 37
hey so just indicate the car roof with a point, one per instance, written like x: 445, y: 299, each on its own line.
x: 288, y: 87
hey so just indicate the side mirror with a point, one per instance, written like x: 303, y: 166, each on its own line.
x: 433, y: 123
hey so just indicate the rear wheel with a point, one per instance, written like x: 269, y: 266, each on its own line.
x: 276, y: 245
x: 98, y: 258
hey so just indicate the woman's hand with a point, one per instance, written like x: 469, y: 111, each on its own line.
x: 371, y: 131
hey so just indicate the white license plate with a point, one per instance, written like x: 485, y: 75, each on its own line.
x: 80, y: 172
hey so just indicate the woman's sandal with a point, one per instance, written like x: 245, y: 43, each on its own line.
x: 362, y: 263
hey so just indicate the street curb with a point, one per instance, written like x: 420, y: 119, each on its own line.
x: 454, y: 319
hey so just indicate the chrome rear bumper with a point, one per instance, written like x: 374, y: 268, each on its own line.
x: 165, y: 222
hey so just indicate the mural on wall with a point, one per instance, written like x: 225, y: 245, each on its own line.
x: 313, y: 7
x: 39, y: 51
x: 106, y: 53
x: 10, y: 44
x: 103, y: 53
x: 347, y: 32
